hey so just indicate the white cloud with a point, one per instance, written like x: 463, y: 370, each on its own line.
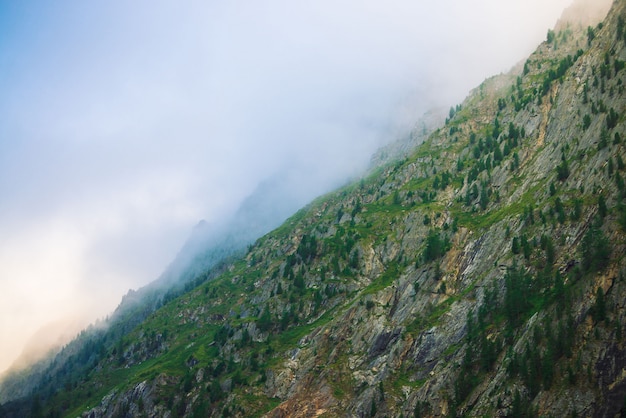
x: 122, y: 124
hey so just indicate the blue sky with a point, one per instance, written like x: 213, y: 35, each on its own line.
x: 122, y: 124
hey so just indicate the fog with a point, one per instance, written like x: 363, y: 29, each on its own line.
x: 122, y: 124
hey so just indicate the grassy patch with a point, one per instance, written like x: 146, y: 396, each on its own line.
x: 479, y: 221
x: 391, y: 273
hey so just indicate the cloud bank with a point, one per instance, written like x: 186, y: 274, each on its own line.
x: 122, y: 124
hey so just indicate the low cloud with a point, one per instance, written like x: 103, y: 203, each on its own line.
x: 122, y: 124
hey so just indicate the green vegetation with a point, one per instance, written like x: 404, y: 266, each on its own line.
x: 436, y: 246
x: 595, y: 251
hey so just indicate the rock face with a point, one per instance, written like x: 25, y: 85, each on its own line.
x: 481, y: 275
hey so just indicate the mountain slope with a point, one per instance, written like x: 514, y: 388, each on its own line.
x: 482, y: 275
x: 203, y: 256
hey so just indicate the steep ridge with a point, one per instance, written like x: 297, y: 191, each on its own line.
x: 206, y: 252
x: 483, y: 275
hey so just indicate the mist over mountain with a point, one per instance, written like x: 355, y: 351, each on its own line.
x: 123, y: 125
x: 479, y: 272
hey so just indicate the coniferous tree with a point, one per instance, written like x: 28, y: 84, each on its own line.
x: 602, y: 209
x: 595, y: 250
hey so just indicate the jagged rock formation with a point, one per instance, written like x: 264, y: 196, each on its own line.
x: 482, y: 275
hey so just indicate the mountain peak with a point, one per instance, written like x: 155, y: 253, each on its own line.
x: 584, y: 13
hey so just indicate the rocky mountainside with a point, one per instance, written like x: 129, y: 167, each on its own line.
x: 481, y: 275
x: 204, y: 255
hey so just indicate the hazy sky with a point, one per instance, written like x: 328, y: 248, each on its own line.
x: 122, y: 124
